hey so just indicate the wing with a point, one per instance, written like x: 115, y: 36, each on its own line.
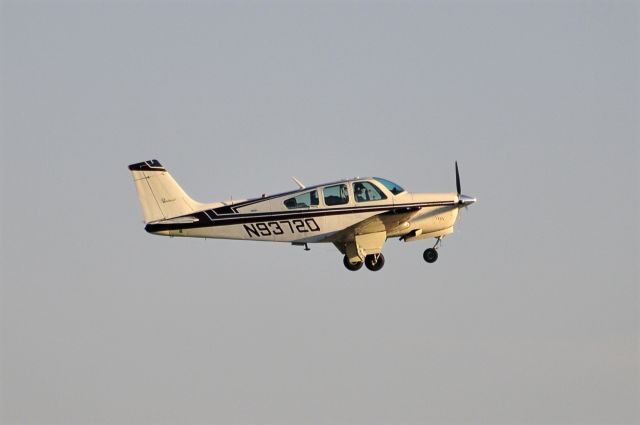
x: 369, y: 235
x: 388, y: 221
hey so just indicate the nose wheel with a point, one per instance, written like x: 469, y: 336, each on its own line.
x: 430, y: 255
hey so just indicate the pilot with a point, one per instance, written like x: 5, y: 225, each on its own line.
x: 361, y: 192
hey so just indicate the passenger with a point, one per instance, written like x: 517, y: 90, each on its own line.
x: 344, y: 194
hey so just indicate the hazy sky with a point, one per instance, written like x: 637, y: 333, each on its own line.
x: 530, y: 316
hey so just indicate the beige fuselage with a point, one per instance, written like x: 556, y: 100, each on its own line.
x: 268, y: 219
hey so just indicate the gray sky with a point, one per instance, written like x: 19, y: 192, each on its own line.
x: 529, y: 316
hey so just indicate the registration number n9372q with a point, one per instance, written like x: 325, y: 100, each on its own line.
x: 279, y: 227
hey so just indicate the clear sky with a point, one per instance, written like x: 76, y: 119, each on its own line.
x: 530, y: 316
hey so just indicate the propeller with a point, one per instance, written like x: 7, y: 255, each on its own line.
x: 458, y: 180
x: 463, y: 200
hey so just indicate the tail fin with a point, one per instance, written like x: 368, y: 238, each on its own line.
x: 160, y: 195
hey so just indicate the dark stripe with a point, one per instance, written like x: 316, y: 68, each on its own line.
x: 153, y: 165
x: 306, y: 212
x: 205, y: 220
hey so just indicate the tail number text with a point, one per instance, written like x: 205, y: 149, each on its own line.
x: 280, y: 227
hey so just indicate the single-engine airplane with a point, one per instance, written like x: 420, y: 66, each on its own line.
x: 357, y: 215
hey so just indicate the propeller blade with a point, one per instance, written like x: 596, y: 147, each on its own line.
x: 458, y: 179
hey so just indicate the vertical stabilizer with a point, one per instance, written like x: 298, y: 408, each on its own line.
x: 161, y: 197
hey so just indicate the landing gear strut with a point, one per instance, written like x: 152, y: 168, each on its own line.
x: 374, y: 262
x: 430, y: 255
x: 351, y: 266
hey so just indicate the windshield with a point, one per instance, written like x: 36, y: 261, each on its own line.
x: 393, y: 188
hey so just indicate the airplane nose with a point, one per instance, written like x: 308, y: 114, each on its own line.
x: 466, y: 200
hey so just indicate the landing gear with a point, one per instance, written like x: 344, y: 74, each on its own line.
x: 351, y: 266
x: 430, y: 255
x: 374, y: 262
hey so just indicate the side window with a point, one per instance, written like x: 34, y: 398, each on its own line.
x: 336, y: 195
x: 365, y: 191
x: 302, y: 201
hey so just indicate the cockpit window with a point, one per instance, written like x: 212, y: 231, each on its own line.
x: 302, y: 201
x: 336, y: 195
x: 393, y: 188
x: 365, y: 191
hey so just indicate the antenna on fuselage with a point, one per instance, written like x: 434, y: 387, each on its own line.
x: 298, y: 182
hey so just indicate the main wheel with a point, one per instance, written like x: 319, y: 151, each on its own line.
x: 351, y: 266
x: 374, y: 262
x: 430, y: 255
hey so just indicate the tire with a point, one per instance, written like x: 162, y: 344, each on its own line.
x: 430, y: 255
x: 374, y: 264
x: 351, y: 266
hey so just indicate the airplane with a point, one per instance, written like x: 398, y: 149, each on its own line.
x: 357, y: 215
